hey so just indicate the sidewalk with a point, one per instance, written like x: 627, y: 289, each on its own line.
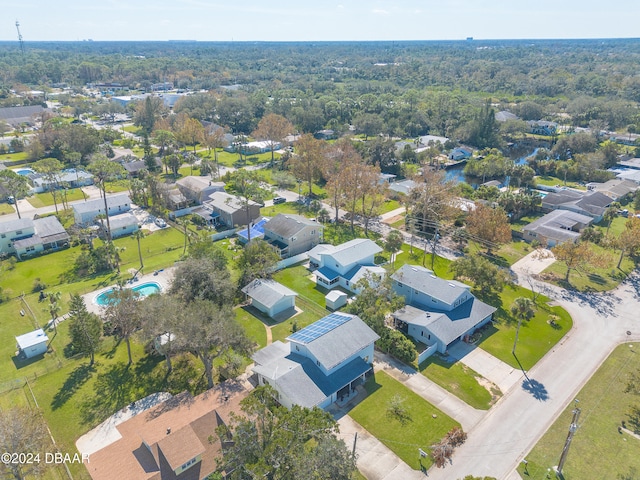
x: 466, y: 415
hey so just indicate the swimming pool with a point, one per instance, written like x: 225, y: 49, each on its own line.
x: 144, y: 290
x: 24, y: 171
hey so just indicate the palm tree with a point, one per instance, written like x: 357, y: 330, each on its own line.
x: 611, y: 213
x: 54, y: 309
x: 184, y: 223
x: 139, y: 234
x: 522, y: 309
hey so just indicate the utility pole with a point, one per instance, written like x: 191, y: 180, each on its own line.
x: 572, y: 429
x: 20, y: 38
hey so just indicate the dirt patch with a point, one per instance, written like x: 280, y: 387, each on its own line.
x: 395, y: 219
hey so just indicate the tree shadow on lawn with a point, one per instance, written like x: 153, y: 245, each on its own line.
x: 76, y: 379
x: 113, y: 390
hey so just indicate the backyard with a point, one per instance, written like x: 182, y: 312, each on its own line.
x: 598, y: 450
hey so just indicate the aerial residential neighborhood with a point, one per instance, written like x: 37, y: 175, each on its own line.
x: 337, y: 260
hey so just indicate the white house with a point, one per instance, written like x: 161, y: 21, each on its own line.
x: 33, y: 343
x: 121, y: 225
x: 69, y: 178
x: 24, y: 237
x: 438, y: 312
x: 270, y: 297
x: 344, y: 265
x: 320, y: 364
x: 85, y: 212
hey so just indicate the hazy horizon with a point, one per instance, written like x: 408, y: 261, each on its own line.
x: 343, y: 20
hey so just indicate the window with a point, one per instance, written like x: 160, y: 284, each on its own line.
x: 318, y: 362
x: 297, y: 348
x: 313, y: 232
x: 31, y: 248
x: 19, y: 232
x: 434, y: 300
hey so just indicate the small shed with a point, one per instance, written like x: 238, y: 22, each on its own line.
x: 33, y: 343
x: 335, y: 299
x: 270, y: 297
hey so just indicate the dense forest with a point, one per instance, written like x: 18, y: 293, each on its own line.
x: 399, y: 88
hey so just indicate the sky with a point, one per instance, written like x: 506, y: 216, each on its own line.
x: 319, y: 20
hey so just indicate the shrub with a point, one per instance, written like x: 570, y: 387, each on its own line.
x: 396, y: 344
x: 38, y: 285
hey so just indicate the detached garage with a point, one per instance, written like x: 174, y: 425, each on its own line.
x: 33, y: 343
x: 270, y: 297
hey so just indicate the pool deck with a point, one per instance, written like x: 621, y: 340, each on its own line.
x: 162, y: 278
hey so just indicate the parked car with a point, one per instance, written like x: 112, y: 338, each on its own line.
x: 278, y: 200
x: 160, y: 222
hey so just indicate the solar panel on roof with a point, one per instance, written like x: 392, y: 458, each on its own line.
x: 319, y: 328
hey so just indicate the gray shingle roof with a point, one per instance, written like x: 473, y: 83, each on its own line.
x: 227, y: 203
x: 288, y: 225
x: 48, y: 226
x: 424, y: 280
x: 447, y: 326
x: 17, y: 224
x: 267, y: 292
x: 120, y: 221
x: 342, y: 342
x: 558, y: 224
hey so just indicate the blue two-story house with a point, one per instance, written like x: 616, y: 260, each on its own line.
x: 320, y: 364
x: 438, y: 312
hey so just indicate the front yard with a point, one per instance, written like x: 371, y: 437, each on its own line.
x: 421, y: 426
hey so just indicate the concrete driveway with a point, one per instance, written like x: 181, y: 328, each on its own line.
x: 534, y: 263
x: 491, y: 368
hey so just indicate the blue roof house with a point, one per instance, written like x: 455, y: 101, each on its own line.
x: 320, y: 364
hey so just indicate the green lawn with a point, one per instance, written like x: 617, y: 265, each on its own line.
x: 132, y: 129
x: 423, y: 426
x: 298, y: 279
x: 287, y: 208
x: 6, y: 209
x: 12, y: 157
x: 390, y: 205
x: 253, y: 326
x: 45, y: 199
x: 310, y: 313
x: 536, y: 336
x: 595, y: 279
x: 458, y: 379
x: 118, y: 186
x: 598, y: 450
x: 550, y: 181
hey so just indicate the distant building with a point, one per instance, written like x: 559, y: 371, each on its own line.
x: 320, y: 364
x: 616, y: 189
x: 505, y: 116
x: 542, y: 127
x: 70, y: 178
x: 15, y: 116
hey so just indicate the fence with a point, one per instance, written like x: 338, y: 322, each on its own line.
x: 181, y: 213
x: 301, y: 257
x: 225, y: 234
x: 427, y: 353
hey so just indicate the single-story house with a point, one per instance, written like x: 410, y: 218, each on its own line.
x: 504, y: 116
x: 460, y: 153
x: 556, y: 227
x: 71, y: 177
x: 230, y: 210
x: 320, y: 364
x: 344, y: 265
x: 631, y: 175
x: 15, y: 116
x: 32, y: 344
x: 197, y: 189
x: 270, y: 297
x: 632, y: 163
x: 542, y: 127
x: 428, y: 140
x: 170, y: 440
x: 253, y: 148
x: 438, y: 311
x: 592, y: 204
x: 121, y: 225
x: 335, y: 299
x: 85, y: 212
x: 403, y: 186
x: 325, y: 135
x: 292, y: 234
x: 616, y: 189
x: 26, y: 237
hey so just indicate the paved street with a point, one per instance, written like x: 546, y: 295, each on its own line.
x: 502, y: 438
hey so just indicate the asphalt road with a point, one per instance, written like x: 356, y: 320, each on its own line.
x: 499, y: 442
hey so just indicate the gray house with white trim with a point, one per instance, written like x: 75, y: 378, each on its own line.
x: 292, y: 234
x: 320, y: 364
x: 438, y: 311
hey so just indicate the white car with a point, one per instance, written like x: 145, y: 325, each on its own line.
x: 160, y: 222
